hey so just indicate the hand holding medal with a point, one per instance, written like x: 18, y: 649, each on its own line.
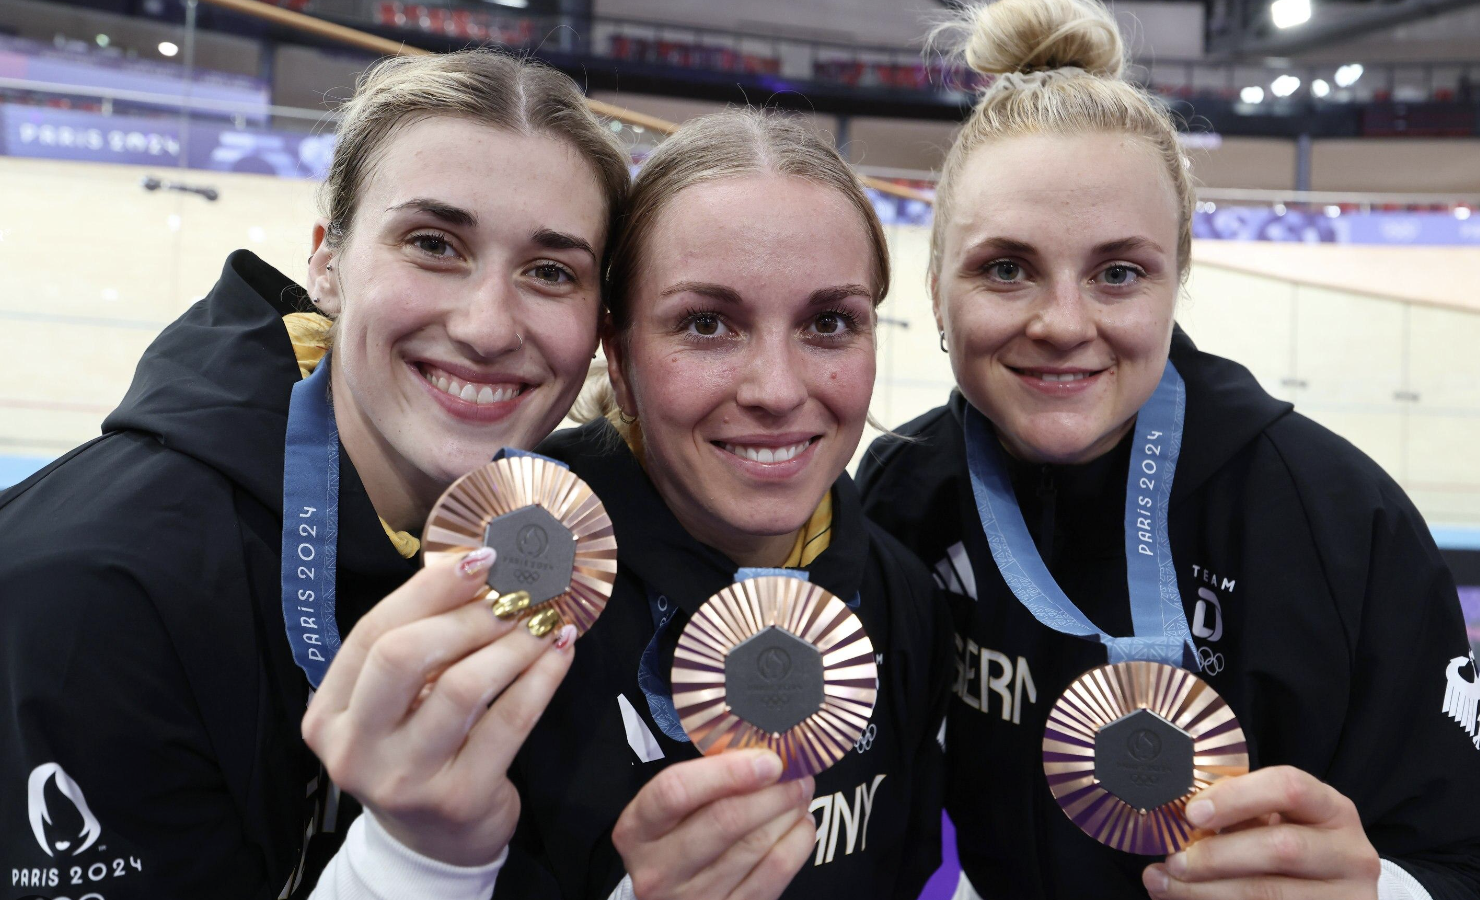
x: 773, y: 679
x: 432, y: 694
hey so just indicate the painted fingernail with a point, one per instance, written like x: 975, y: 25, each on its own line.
x: 543, y: 622
x: 767, y: 766
x: 1156, y: 879
x: 477, y: 561
x: 509, y: 605
x: 567, y: 636
x: 1177, y: 863
x: 1200, y: 812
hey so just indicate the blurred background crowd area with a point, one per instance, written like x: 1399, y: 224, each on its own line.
x: 1337, y: 148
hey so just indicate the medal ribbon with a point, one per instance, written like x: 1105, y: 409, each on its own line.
x: 311, y: 523
x: 1159, y: 620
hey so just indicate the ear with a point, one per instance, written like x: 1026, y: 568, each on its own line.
x: 323, y: 286
x: 611, y: 344
x: 933, y: 284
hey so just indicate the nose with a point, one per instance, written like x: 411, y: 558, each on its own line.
x: 772, y: 377
x: 486, y: 322
x: 1063, y: 317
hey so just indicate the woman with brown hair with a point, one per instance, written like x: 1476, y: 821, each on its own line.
x: 1099, y: 490
x: 740, y: 334
x: 257, y: 495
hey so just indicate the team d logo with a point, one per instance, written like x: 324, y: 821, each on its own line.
x: 60, y: 819
x: 1462, y: 695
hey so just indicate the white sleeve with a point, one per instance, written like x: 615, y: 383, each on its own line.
x: 624, y: 891
x: 372, y: 865
x: 1396, y: 884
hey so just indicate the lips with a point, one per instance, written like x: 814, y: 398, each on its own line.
x: 766, y: 454
x: 1058, y: 381
x: 481, y: 393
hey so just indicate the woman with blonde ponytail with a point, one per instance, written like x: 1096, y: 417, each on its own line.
x: 1097, y: 477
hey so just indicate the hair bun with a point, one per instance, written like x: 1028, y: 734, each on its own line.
x: 1041, y: 35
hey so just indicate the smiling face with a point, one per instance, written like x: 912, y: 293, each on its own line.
x: 749, y: 356
x: 1056, y: 290
x: 466, y: 297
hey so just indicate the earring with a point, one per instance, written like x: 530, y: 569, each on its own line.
x: 626, y: 419
x: 330, y: 267
x: 943, y: 343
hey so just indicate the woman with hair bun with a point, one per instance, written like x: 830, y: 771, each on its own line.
x: 1097, y: 477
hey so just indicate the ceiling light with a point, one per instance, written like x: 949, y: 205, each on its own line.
x: 517, y: 4
x: 1461, y: 212
x: 168, y: 48
x: 1285, y: 85
x: 1252, y: 94
x: 1279, y: 209
x: 102, y: 40
x: 1319, y: 88
x: 1347, y: 75
x: 1333, y: 211
x: 1289, y: 13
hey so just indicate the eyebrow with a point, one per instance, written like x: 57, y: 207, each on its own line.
x: 1109, y: 248
x: 452, y: 215
x: 1005, y: 245
x: 1127, y: 245
x: 819, y: 297
x: 558, y: 240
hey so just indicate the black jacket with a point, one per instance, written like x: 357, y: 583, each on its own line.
x: 142, y: 652
x: 877, y: 810
x: 1317, y: 600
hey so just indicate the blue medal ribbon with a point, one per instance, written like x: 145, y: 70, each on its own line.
x: 1157, y: 615
x: 311, y: 523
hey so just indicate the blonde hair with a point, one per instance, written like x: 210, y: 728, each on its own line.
x: 721, y: 145
x: 486, y: 86
x: 1058, y: 67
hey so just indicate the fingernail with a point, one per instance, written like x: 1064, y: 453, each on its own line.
x: 1200, y: 812
x: 1156, y: 879
x: 511, y: 604
x: 567, y: 635
x: 543, y: 622
x: 767, y: 766
x: 477, y: 561
x: 1177, y: 863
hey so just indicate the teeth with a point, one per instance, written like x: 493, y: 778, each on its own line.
x: 766, y: 454
x: 472, y: 392
x: 1066, y: 376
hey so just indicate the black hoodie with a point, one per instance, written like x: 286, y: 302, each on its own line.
x: 1318, y: 602
x: 149, y: 732
x: 877, y: 810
